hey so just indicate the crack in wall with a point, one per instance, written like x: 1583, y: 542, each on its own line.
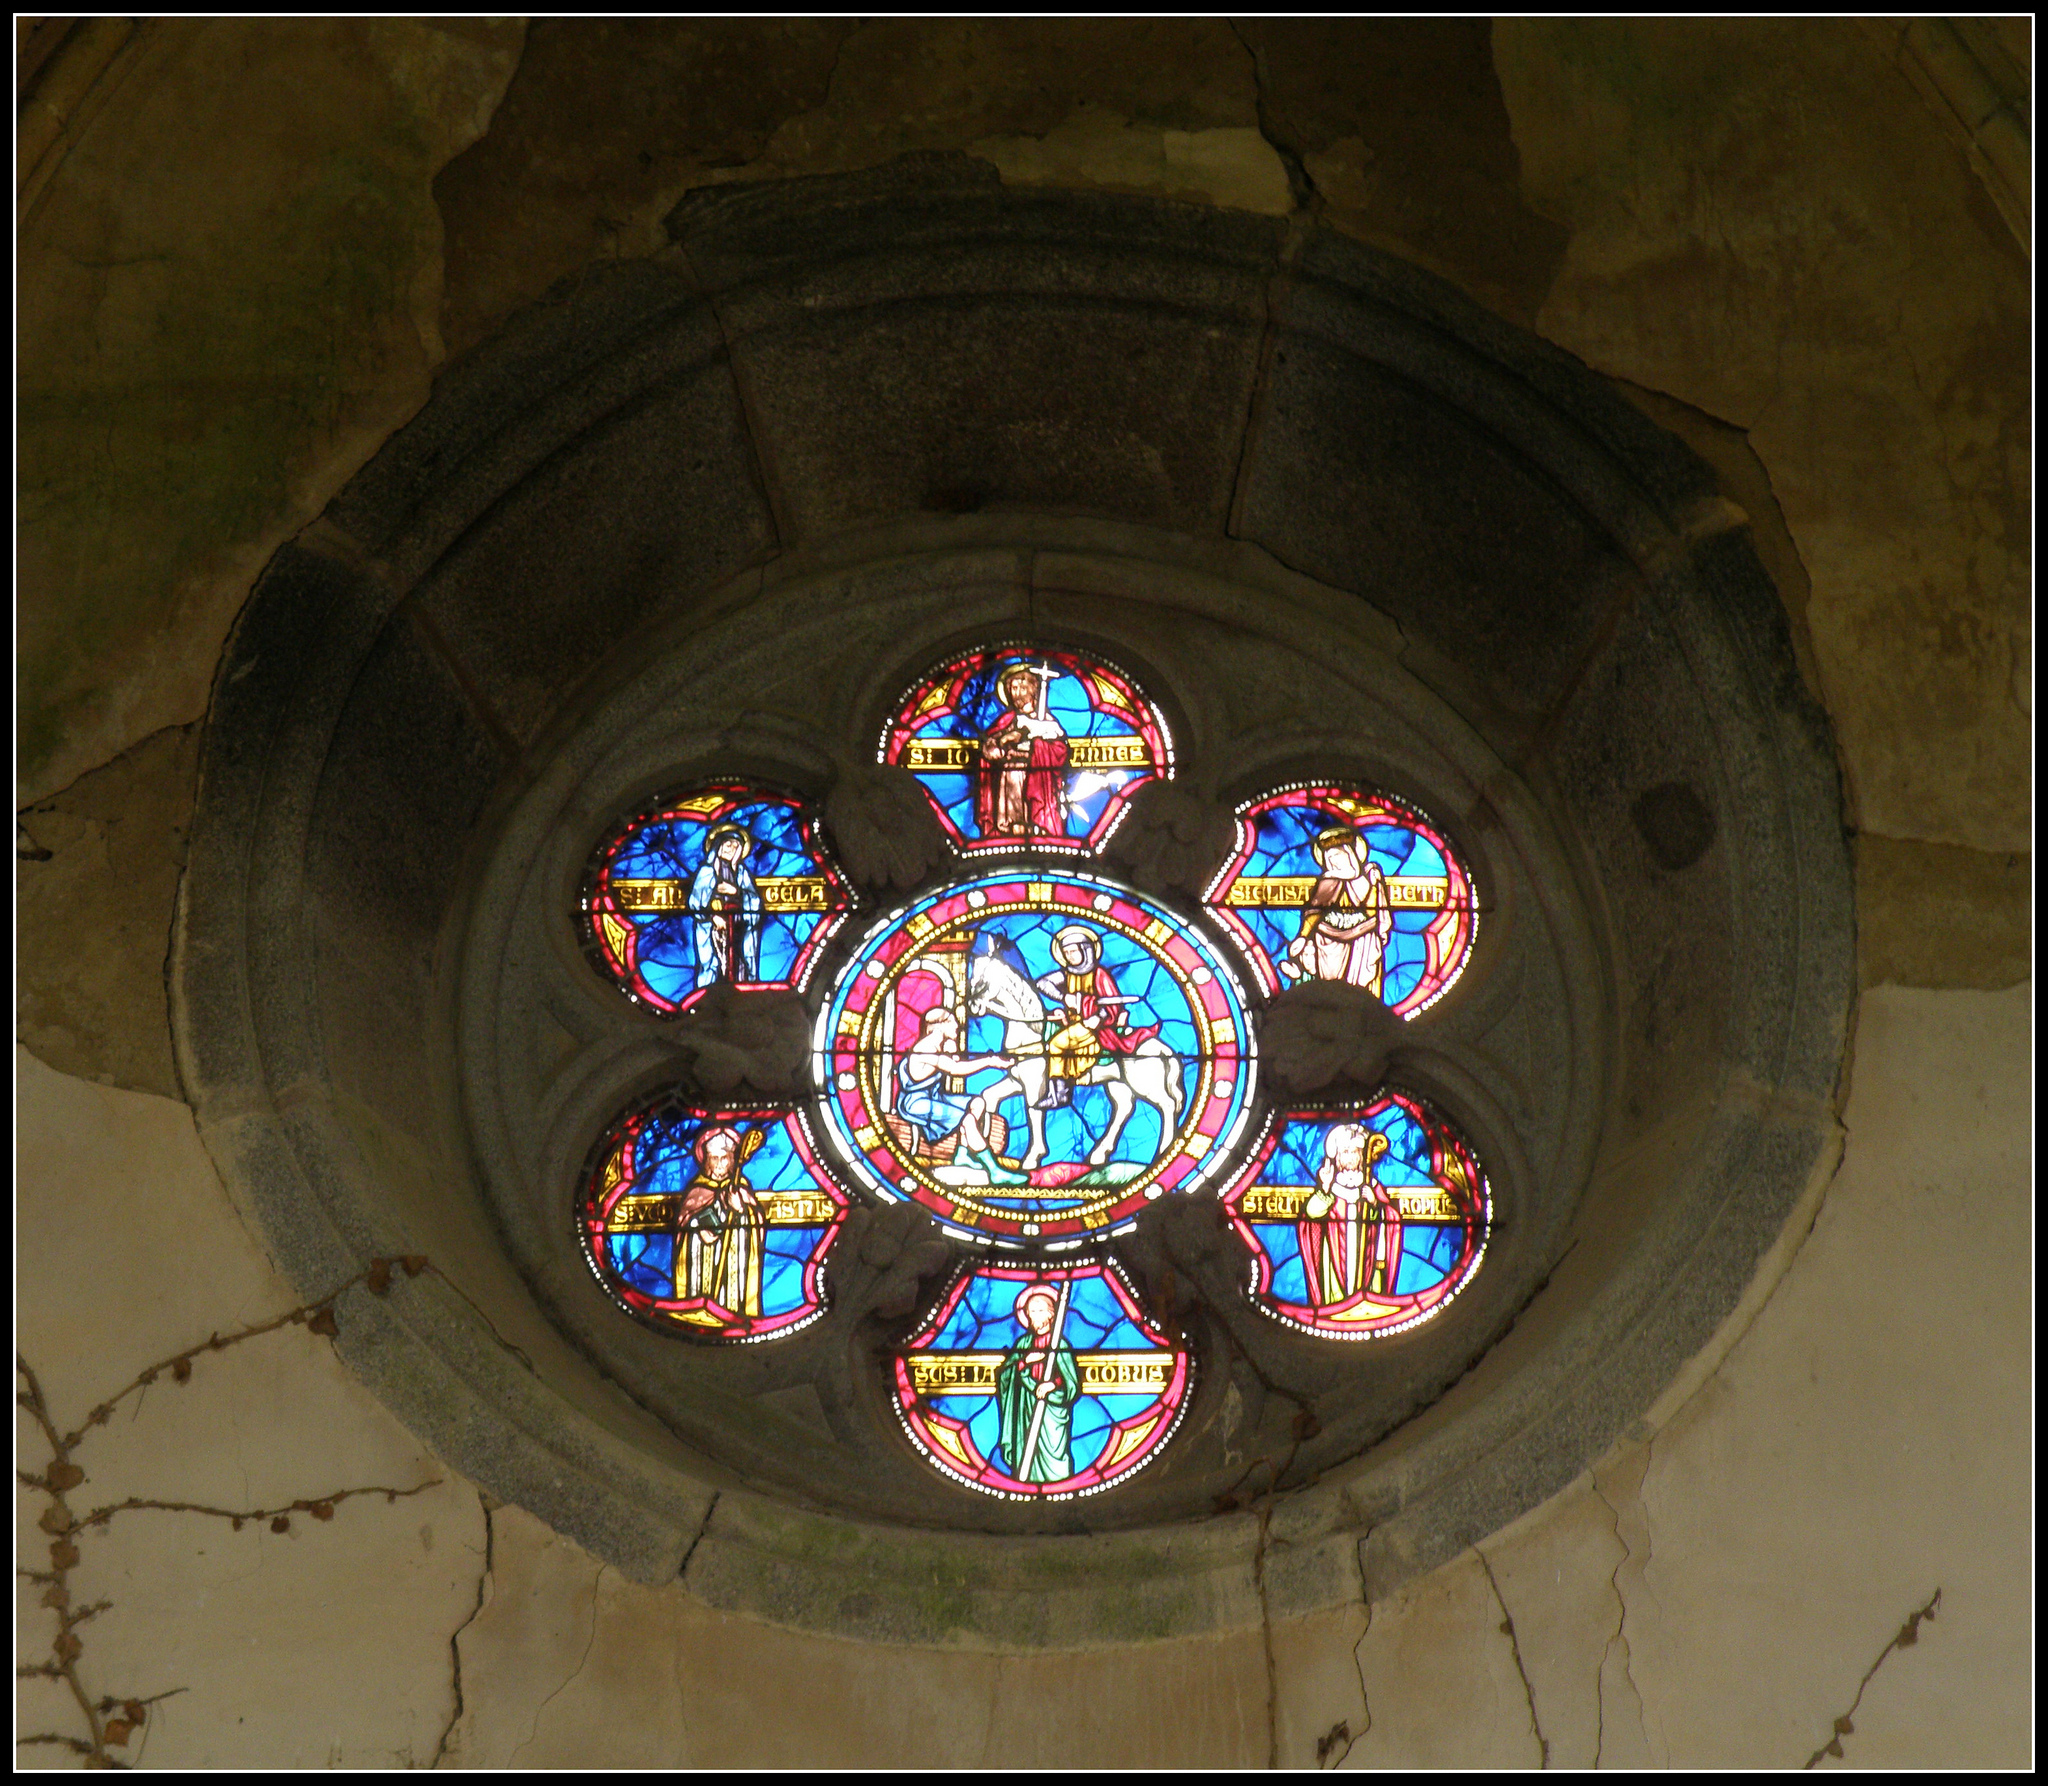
x: 1300, y: 182
x: 484, y: 1585
x: 756, y: 429
x: 1329, y: 1753
x: 683, y: 1568
x: 1619, y: 1636
x: 1266, y: 1636
x: 574, y: 1674
x: 1507, y: 1630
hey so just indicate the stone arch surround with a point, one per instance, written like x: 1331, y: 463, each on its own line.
x: 869, y: 391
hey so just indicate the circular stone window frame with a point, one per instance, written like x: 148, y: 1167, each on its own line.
x: 332, y: 909
x: 682, y: 704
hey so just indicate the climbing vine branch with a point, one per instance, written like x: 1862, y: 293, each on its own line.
x: 109, y: 1721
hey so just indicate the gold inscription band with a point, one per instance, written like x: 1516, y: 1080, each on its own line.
x: 1082, y: 753
x: 779, y: 893
x: 664, y: 1214
x: 1102, y: 1373
x: 1294, y: 889
x: 1284, y: 1203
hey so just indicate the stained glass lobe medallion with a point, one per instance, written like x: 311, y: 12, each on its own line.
x: 723, y: 882
x: 1340, y: 883
x: 1028, y: 747
x: 1040, y: 1381
x: 711, y: 1223
x: 1362, y: 1219
x: 1032, y: 1054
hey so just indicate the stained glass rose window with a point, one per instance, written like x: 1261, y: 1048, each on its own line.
x: 1030, y: 1052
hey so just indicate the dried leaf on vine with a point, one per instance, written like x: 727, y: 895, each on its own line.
x: 62, y: 1475
x: 323, y: 1322
x: 181, y: 1369
x: 63, y: 1554
x: 282, y: 1523
x: 117, y: 1732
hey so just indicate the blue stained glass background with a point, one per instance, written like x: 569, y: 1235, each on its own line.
x: 673, y: 849
x: 981, y: 706
x: 1072, y: 1132
x: 1280, y: 846
x: 984, y: 1320
x: 1299, y: 1154
x: 645, y: 1262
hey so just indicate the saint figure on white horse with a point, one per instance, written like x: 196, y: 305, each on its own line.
x: 1085, y: 993
x: 1068, y: 1028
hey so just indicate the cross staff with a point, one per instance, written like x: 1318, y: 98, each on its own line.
x: 1052, y: 1345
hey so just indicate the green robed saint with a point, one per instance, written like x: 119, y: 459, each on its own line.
x: 1035, y: 1359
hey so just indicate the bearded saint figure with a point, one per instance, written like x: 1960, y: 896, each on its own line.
x: 1022, y: 790
x: 722, y: 1225
x: 1350, y: 1230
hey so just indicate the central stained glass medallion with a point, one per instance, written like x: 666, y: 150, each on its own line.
x: 1032, y: 1055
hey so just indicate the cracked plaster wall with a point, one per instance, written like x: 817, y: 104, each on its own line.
x: 244, y: 250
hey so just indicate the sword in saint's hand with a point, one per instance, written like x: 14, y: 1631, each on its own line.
x: 1052, y: 1353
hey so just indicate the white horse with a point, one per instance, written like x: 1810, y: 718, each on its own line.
x: 1152, y: 1071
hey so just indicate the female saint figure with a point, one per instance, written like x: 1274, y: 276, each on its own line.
x: 1037, y: 1384
x: 722, y: 1225
x: 1022, y: 791
x: 1349, y: 917
x: 725, y: 906
x: 1350, y: 1230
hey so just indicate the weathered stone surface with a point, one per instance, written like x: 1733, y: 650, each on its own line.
x: 96, y: 875
x: 1746, y: 482
x: 1360, y: 479
x: 648, y: 494
x: 1747, y: 239
x: 1840, y: 1465
x: 323, y: 1645
x: 1932, y: 914
x: 1099, y: 151
x: 915, y: 340
x: 1172, y: 838
x: 1320, y: 1036
x: 1553, y: 1576
x: 568, y: 1665
x: 1862, y: 1445
x: 606, y: 126
x: 1759, y: 225
x: 1399, y: 127
x: 604, y: 123
x: 883, y: 822
x: 218, y: 326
